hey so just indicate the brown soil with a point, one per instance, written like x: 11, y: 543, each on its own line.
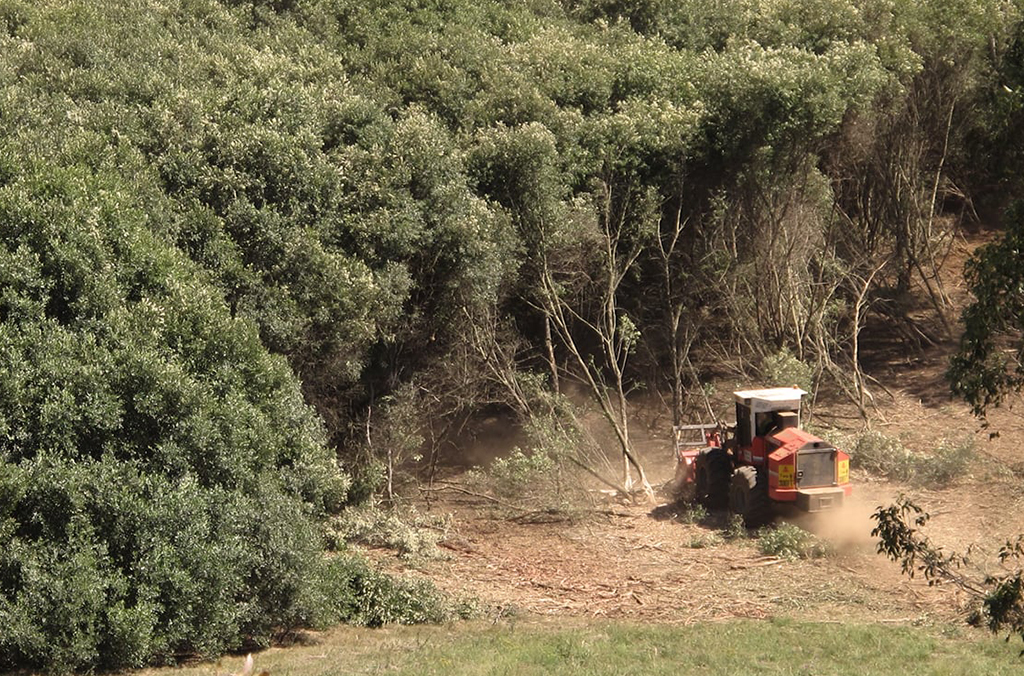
x: 647, y: 563
x: 644, y: 563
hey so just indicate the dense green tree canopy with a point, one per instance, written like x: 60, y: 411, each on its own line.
x: 229, y: 228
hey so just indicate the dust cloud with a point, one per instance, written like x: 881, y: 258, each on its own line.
x: 481, y: 440
x: 848, y: 528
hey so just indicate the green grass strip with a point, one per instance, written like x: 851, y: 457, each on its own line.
x: 770, y: 648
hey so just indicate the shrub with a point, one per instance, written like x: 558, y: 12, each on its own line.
x: 735, y: 530
x: 362, y: 595
x: 951, y: 460
x: 783, y: 369
x: 161, y: 476
x: 791, y: 542
x: 106, y: 564
x: 518, y: 471
x: 881, y: 454
x: 410, y: 534
x: 887, y: 456
x: 525, y: 482
x: 706, y: 540
x: 546, y: 477
x: 694, y: 513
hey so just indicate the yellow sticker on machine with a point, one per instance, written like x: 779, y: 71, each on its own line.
x: 785, y: 476
x: 844, y: 471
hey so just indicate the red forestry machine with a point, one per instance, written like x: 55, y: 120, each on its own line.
x: 763, y: 461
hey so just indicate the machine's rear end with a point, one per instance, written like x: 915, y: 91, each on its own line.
x: 769, y: 460
x: 806, y: 471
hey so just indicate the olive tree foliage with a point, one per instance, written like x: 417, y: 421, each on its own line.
x: 344, y: 229
x: 999, y: 597
x: 342, y: 226
x: 720, y: 151
x: 787, y: 99
x: 244, y: 238
x: 642, y: 139
x: 582, y: 304
x: 989, y: 364
x: 762, y: 202
x: 576, y: 189
x: 160, y: 471
x: 580, y: 251
x: 174, y: 248
x: 747, y: 207
x: 870, y: 168
x: 745, y: 260
x: 911, y: 172
x: 771, y: 216
x: 995, y: 128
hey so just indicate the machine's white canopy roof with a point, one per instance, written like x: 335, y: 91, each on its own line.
x: 771, y: 394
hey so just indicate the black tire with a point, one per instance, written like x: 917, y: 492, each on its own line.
x: 713, y: 468
x: 748, y: 497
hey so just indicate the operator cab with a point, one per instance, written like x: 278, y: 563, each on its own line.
x: 760, y: 413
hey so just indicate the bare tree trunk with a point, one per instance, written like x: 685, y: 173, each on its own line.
x: 613, y: 332
x: 550, y: 344
x: 858, y: 374
x: 559, y: 312
x: 679, y: 345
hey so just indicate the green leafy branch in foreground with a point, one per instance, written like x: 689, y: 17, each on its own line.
x: 1000, y: 597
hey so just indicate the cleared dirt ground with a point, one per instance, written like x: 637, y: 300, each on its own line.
x: 647, y: 562
x: 644, y: 563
